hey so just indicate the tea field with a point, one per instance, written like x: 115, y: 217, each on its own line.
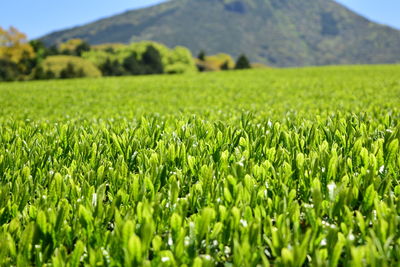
x: 294, y: 167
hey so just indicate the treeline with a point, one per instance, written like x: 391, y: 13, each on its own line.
x: 21, y: 59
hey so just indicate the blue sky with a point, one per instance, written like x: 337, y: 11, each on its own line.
x: 39, y: 17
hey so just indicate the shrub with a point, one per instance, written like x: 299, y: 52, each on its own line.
x: 71, y: 72
x: 40, y: 74
x: 225, y: 66
x: 57, y: 64
x: 177, y: 68
x: 180, y: 60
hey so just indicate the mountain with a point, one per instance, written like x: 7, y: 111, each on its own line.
x: 275, y: 32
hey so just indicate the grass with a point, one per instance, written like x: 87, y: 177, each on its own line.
x: 265, y: 167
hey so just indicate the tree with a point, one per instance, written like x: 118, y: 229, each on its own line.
x: 83, y: 47
x: 14, y: 45
x: 38, y: 73
x: 41, y: 52
x: 242, y: 63
x: 27, y: 64
x: 151, y: 61
x: 40, y: 49
x: 132, y: 65
x: 110, y: 50
x: 9, y: 70
x: 15, y: 51
x: 112, y: 68
x: 53, y: 51
x: 202, y: 55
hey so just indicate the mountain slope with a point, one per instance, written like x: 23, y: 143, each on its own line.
x: 275, y: 32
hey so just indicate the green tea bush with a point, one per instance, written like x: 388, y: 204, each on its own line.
x: 296, y: 167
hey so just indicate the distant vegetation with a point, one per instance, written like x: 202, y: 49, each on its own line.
x: 23, y: 60
x: 63, y: 66
x: 222, y: 62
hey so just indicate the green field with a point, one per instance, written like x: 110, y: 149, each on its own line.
x: 272, y: 167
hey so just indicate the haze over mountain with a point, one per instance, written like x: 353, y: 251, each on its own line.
x: 274, y: 32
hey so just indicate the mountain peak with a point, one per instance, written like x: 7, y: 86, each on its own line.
x: 275, y: 32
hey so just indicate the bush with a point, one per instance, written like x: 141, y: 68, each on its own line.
x: 176, y: 68
x: 225, y: 66
x: 40, y: 74
x: 180, y: 60
x: 71, y: 72
x: 58, y: 64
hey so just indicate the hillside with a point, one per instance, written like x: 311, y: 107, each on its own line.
x: 275, y: 32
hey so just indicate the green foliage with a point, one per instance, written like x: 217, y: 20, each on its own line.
x: 75, y: 59
x: 41, y: 51
x: 70, y: 66
x: 74, y: 47
x: 17, y: 56
x: 202, y: 55
x: 179, y: 60
x: 132, y: 65
x: 81, y: 48
x: 143, y: 58
x: 151, y: 61
x: 112, y: 68
x: 225, y: 66
x: 294, y: 167
x: 40, y: 74
x: 99, y: 57
x: 14, y: 46
x: 9, y: 70
x: 242, y: 63
x: 71, y: 72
